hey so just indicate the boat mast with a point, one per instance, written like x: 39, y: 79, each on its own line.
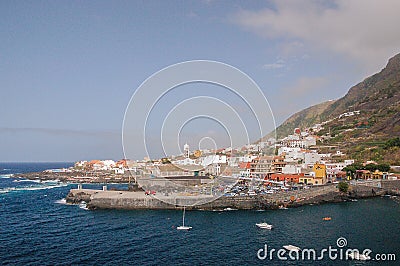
x: 183, y: 218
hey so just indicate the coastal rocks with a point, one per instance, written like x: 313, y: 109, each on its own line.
x: 76, y: 196
x: 360, y: 191
x: 392, y: 187
x: 76, y: 177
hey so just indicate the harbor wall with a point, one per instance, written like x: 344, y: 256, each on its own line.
x: 392, y: 187
x: 316, y: 195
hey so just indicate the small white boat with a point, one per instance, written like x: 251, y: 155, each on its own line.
x: 355, y: 255
x: 183, y: 227
x: 292, y: 248
x: 265, y: 226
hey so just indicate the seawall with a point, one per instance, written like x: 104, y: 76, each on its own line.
x: 128, y: 200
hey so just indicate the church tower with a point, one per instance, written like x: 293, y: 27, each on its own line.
x: 186, y: 151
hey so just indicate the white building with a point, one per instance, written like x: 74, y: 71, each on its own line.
x: 287, y: 150
x: 291, y: 169
x: 332, y: 169
x: 296, y: 141
x: 310, y: 141
x: 186, y: 161
x: 246, y: 158
x: 213, y: 164
x: 294, y: 156
x: 311, y: 158
x: 213, y: 159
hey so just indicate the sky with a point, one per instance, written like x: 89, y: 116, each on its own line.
x: 68, y: 69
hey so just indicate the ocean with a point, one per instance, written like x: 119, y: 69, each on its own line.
x: 38, y: 228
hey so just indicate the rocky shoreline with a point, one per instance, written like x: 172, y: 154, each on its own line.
x: 135, y: 199
x: 76, y: 177
x: 127, y: 200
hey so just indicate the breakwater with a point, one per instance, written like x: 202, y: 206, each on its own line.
x: 128, y: 200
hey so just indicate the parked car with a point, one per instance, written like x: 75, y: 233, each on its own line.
x: 251, y: 193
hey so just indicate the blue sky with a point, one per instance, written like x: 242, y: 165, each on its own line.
x: 69, y: 68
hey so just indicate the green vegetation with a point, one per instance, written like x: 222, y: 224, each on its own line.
x: 351, y: 169
x: 381, y: 167
x: 395, y: 142
x: 343, y: 187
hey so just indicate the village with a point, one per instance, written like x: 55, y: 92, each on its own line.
x: 266, y: 167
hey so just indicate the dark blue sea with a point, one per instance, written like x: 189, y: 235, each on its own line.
x: 38, y: 228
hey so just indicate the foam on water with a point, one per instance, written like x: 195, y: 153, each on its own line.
x: 6, y: 176
x: 83, y: 206
x: 61, y: 201
x: 30, y: 188
x: 6, y: 190
x: 38, y: 181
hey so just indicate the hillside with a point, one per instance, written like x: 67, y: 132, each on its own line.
x: 362, y: 136
x: 304, y: 118
x: 378, y: 97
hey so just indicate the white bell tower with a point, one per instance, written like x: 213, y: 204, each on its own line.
x: 186, y: 151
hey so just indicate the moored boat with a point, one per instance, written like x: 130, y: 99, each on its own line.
x: 265, y: 226
x: 292, y: 248
x: 183, y: 226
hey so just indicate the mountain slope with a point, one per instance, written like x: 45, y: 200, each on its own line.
x: 377, y: 97
x: 362, y: 136
x: 304, y: 118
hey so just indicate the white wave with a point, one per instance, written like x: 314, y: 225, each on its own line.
x: 61, y: 201
x: 21, y: 180
x: 56, y: 181
x: 44, y: 187
x: 83, y: 206
x: 43, y: 181
x: 6, y: 190
x: 7, y: 176
x: 51, y: 181
x: 11, y: 189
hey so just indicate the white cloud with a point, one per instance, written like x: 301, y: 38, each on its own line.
x: 365, y: 30
x: 276, y: 65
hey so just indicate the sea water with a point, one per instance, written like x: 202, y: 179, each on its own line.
x: 39, y: 228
